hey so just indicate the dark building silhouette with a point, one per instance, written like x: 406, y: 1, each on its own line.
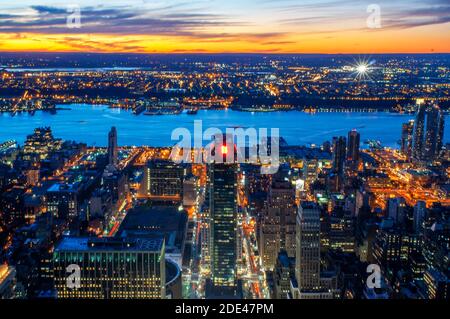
x: 428, y: 132
x: 223, y: 220
x: 112, y: 147
x: 407, y: 138
x: 339, y: 153
x: 353, y: 145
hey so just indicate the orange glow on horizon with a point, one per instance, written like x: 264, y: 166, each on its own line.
x: 428, y: 40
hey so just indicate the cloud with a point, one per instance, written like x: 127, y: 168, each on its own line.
x: 418, y: 17
x: 340, y: 16
x: 99, y: 20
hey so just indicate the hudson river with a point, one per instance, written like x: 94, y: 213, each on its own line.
x: 90, y: 124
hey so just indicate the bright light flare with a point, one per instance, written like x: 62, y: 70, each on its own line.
x: 362, y: 68
x: 224, y: 149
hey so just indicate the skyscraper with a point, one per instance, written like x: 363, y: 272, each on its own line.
x: 420, y: 211
x: 112, y: 147
x: 336, y: 179
x: 419, y: 132
x: 307, y: 259
x: 223, y: 219
x: 277, y: 231
x: 433, y: 138
x: 339, y: 153
x: 309, y: 283
x: 428, y: 132
x: 407, y: 138
x: 353, y: 146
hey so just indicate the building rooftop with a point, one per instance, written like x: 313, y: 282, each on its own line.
x: 160, y: 221
x: 309, y: 205
x: 59, y: 187
x: 70, y: 244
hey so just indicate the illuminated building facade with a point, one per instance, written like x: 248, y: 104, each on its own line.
x: 40, y: 143
x: 310, y: 170
x: 308, y: 282
x: 284, y: 269
x: 112, y: 148
x: 353, y: 146
x: 407, y: 138
x: 438, y: 285
x: 223, y: 221
x: 307, y: 262
x: 111, y: 268
x: 7, y: 281
x: 428, y: 132
x: 163, y: 180
x: 341, y: 232
x: 62, y: 200
x: 277, y: 230
x: 387, y: 248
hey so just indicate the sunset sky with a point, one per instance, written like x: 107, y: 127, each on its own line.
x: 203, y: 26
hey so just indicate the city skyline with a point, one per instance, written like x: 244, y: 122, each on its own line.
x: 250, y: 26
x: 249, y: 151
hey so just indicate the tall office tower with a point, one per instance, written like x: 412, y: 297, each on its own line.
x: 112, y: 147
x: 307, y: 259
x: 339, y: 153
x: 277, y: 230
x: 204, y: 218
x: 419, y: 131
x: 163, y: 180
x: 434, y: 133
x: 336, y: 178
x: 223, y: 220
x: 420, y: 211
x: 428, y: 132
x: 407, y: 138
x: 440, y: 136
x: 396, y: 209
x: 353, y: 145
x: 110, y: 268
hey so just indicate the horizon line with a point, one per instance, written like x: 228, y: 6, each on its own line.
x: 226, y: 53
